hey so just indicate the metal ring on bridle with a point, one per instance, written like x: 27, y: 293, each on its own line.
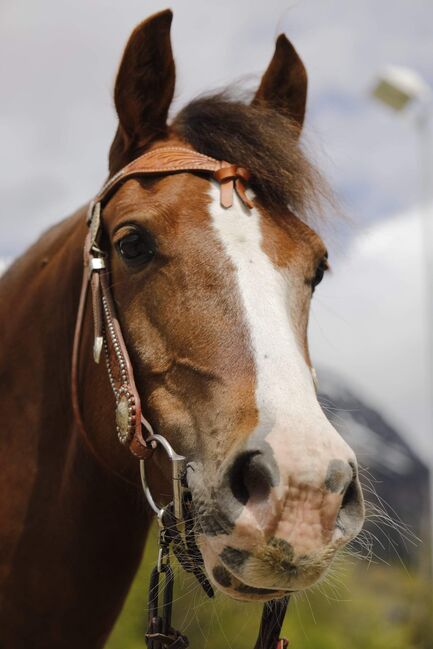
x: 178, y: 466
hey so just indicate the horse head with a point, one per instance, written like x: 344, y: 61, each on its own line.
x: 214, y: 306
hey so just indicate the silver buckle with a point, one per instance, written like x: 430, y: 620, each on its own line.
x: 96, y: 263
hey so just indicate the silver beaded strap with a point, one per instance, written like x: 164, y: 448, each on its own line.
x: 125, y: 400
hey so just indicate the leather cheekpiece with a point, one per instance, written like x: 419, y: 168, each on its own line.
x: 107, y: 331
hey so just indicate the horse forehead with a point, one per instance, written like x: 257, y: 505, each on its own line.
x: 288, y: 241
x: 170, y: 205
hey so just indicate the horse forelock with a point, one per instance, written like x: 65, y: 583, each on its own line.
x: 263, y: 140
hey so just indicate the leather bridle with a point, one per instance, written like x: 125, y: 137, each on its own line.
x: 175, y: 519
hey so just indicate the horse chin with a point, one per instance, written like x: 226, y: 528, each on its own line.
x: 226, y: 582
x: 245, y: 576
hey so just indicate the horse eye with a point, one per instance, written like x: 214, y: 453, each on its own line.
x: 320, y: 271
x: 137, y: 248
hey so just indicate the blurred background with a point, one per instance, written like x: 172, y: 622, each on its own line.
x: 369, y: 127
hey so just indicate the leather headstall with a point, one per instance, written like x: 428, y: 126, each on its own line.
x: 129, y: 417
x: 107, y: 330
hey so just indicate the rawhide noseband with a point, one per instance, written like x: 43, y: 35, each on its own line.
x: 176, y: 519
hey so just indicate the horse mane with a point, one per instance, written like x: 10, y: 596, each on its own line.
x: 262, y: 140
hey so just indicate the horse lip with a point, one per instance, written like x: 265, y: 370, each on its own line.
x: 246, y: 588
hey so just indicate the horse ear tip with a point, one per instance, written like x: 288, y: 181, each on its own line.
x: 160, y: 21
x: 155, y: 25
x: 285, y: 48
x: 165, y: 16
x: 283, y: 43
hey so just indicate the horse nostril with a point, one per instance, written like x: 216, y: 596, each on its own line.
x: 351, y: 515
x: 250, y: 477
x: 350, y: 495
x: 342, y: 479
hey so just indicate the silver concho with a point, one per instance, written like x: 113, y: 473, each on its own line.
x: 125, y: 416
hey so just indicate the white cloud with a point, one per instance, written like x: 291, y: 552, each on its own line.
x: 369, y: 324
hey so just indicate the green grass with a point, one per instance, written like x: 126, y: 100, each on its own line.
x: 359, y: 606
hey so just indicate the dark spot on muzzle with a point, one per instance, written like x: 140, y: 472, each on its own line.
x: 278, y: 554
x: 234, y: 558
x: 338, y: 476
x: 214, y: 522
x: 222, y: 576
x: 281, y: 546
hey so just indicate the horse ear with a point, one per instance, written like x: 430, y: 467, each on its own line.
x: 284, y: 84
x: 144, y: 87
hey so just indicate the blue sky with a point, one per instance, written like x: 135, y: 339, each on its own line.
x: 59, y: 62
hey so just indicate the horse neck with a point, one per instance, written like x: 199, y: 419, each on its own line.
x: 73, y: 530
x: 37, y: 303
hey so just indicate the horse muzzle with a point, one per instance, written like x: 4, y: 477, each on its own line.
x: 267, y: 531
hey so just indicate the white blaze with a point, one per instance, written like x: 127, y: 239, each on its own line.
x: 290, y: 419
x: 284, y: 383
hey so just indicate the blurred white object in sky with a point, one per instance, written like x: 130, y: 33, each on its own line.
x: 398, y: 86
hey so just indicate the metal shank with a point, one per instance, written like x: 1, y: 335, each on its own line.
x: 178, y: 468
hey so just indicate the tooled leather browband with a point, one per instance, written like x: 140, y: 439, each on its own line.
x: 107, y: 331
x: 176, y: 159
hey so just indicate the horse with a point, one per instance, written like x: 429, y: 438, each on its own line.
x: 213, y: 301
